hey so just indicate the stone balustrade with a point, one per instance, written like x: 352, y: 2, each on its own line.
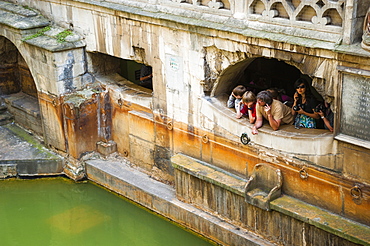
x: 322, y: 20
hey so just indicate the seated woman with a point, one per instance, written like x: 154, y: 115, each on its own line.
x: 324, y: 111
x: 304, y: 105
x: 249, y: 107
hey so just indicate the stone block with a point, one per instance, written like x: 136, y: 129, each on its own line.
x: 8, y: 170
x: 356, y: 161
x: 141, y: 152
x: 106, y: 148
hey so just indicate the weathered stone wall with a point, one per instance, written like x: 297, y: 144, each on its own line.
x: 272, y: 225
x: 287, y: 222
x: 189, y: 62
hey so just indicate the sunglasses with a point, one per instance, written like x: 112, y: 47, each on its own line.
x: 300, y: 87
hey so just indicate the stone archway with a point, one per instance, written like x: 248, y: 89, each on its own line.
x: 265, y: 73
x: 17, y: 87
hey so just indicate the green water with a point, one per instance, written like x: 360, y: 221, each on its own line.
x: 61, y: 212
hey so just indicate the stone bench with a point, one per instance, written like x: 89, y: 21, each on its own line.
x: 193, y: 179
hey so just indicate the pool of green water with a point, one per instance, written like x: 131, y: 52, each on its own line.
x: 59, y: 211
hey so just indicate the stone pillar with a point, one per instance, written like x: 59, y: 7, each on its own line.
x: 81, y: 122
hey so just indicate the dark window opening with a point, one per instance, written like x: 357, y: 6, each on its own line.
x: 133, y: 71
x: 262, y: 73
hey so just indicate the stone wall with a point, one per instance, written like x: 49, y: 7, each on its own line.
x: 192, y: 63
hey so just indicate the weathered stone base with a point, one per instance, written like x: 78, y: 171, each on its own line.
x: 160, y: 198
x: 8, y: 170
x: 290, y: 221
x: 106, y: 148
x: 26, y: 111
x: 22, y: 155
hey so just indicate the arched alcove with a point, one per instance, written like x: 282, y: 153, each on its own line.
x: 18, y: 88
x: 272, y: 72
x: 15, y: 75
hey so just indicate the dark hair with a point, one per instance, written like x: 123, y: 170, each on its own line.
x: 307, y: 86
x: 274, y: 93
x: 265, y: 96
x: 239, y: 90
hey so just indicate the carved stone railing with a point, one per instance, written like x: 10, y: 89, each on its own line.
x: 333, y: 21
x: 320, y: 15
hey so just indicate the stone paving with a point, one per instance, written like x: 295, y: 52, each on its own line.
x: 22, y: 154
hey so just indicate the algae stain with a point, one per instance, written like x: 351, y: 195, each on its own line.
x: 27, y: 137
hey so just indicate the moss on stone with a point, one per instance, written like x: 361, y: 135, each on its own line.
x: 61, y: 37
x: 38, y: 34
x: 30, y: 139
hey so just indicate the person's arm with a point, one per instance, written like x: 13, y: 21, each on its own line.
x: 258, y: 124
x: 296, y: 97
x: 231, y: 101
x: 239, y: 113
x: 274, y: 123
x: 312, y: 115
x: 326, y: 121
x: 252, y: 118
x: 146, y: 77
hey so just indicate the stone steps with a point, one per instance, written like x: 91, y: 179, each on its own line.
x: 24, y: 155
x: 5, y: 116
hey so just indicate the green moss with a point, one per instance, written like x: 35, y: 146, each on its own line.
x: 29, y: 138
x: 27, y: 7
x: 38, y: 34
x: 61, y: 37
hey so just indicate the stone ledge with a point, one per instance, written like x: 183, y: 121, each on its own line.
x: 291, y: 141
x: 335, y: 224
x: 23, y: 18
x: 24, y: 102
x: 124, y: 92
x: 332, y: 223
x: 52, y: 45
x: 23, y: 21
x: 158, y: 197
x: 21, y: 154
x: 17, y: 9
x: 209, y: 173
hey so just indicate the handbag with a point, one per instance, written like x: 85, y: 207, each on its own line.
x: 304, y: 121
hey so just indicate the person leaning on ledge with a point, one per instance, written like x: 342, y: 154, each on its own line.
x: 274, y: 111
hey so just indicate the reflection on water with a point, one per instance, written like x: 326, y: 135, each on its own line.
x: 61, y: 212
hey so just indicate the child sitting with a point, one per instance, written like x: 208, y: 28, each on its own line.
x: 249, y: 107
x: 236, y: 97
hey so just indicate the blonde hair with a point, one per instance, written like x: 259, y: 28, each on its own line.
x: 249, y: 97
